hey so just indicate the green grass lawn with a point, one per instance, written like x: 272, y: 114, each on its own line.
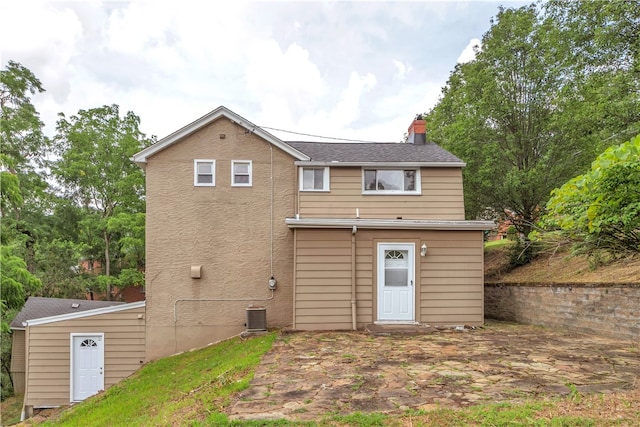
x: 190, y: 387
x: 498, y: 243
x: 194, y: 388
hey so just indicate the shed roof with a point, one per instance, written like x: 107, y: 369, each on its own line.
x: 40, y: 307
x: 376, y: 152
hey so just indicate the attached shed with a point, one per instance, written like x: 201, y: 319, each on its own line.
x: 82, y: 348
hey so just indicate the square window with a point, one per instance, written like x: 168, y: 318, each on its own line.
x: 314, y: 179
x: 391, y: 181
x: 204, y: 172
x: 241, y: 173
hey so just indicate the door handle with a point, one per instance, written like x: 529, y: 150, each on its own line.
x: 411, y: 282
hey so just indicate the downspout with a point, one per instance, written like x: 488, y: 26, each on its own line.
x: 354, y: 325
x: 271, y: 213
x: 23, y: 414
x: 295, y: 275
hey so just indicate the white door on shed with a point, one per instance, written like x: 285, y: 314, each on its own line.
x: 396, y: 274
x: 87, y: 365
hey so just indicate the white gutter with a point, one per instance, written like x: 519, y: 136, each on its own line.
x: 336, y: 163
x: 399, y: 224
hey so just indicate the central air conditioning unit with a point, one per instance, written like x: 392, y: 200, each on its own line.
x: 256, y: 319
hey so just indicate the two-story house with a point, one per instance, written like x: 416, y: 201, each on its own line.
x: 323, y: 235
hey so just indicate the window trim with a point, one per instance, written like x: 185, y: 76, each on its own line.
x: 233, y: 174
x: 195, y: 173
x: 416, y: 192
x: 326, y: 179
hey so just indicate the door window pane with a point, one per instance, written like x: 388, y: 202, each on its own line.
x: 396, y: 268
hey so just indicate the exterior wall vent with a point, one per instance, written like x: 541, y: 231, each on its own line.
x: 256, y: 319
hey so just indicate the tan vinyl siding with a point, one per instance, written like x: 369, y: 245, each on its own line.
x: 229, y: 231
x: 18, y: 366
x: 449, y: 280
x: 323, y: 279
x: 441, y: 197
x: 49, y: 370
x: 452, y: 278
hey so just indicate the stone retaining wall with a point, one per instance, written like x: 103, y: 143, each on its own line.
x: 602, y: 309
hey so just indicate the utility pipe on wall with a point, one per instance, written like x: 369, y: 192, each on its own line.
x: 354, y: 324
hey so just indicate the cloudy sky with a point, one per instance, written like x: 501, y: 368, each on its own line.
x: 357, y: 70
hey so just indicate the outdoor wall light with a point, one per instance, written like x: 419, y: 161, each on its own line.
x: 423, y: 249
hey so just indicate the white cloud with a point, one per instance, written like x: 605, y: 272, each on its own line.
x: 347, y: 109
x: 468, y: 53
x: 48, y: 35
x: 402, y: 69
x: 273, y: 76
x: 350, y: 69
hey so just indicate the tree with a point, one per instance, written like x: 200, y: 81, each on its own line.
x: 21, y: 128
x: 23, y: 149
x: 498, y: 113
x: 94, y: 149
x: 16, y: 283
x: 600, y: 98
x: 601, y: 208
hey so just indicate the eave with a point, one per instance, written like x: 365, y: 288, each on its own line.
x: 382, y: 164
x: 393, y: 224
x: 142, y: 156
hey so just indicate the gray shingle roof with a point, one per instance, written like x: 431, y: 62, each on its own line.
x: 39, y: 307
x: 374, y: 152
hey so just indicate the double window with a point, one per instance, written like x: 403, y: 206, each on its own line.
x: 391, y: 181
x: 204, y: 173
x: 314, y: 179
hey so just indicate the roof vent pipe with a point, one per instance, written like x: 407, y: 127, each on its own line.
x: 417, y: 131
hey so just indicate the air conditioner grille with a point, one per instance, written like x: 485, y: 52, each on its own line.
x: 256, y: 319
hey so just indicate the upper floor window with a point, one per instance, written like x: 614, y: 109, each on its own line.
x: 391, y: 181
x: 241, y: 173
x: 204, y: 172
x: 314, y: 179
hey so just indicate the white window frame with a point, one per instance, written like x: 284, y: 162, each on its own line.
x: 196, y: 162
x: 233, y: 173
x: 325, y: 179
x: 416, y: 191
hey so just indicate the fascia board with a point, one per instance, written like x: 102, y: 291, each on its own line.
x: 398, y: 224
x: 85, y: 313
x: 335, y: 163
x: 142, y: 156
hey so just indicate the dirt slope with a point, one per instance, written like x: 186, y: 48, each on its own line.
x: 559, y: 267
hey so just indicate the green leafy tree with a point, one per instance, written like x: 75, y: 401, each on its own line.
x: 600, y: 101
x: 601, y: 208
x: 498, y: 113
x: 16, y: 283
x: 23, y: 149
x: 23, y: 141
x: 94, y: 149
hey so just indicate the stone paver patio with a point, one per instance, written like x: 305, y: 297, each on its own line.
x: 309, y: 374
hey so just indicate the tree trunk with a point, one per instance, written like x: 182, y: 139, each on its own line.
x: 107, y: 263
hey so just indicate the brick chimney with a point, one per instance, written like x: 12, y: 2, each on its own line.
x: 417, y: 131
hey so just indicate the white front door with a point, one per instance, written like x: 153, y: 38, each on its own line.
x: 396, y: 273
x: 87, y: 365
